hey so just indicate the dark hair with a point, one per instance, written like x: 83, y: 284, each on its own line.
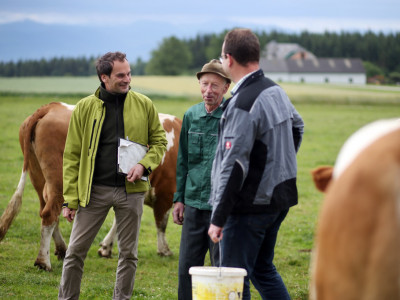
x: 243, y: 45
x: 105, y: 64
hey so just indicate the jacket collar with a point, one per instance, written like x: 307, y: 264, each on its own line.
x: 108, y: 97
x: 217, y: 113
x: 225, y: 104
x: 250, y: 79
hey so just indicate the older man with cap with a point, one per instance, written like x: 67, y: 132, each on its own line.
x: 197, y: 145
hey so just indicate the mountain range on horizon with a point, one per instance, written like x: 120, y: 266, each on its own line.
x: 29, y: 40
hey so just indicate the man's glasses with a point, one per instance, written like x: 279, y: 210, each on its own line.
x: 222, y: 57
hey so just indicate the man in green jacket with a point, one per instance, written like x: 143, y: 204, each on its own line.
x: 92, y: 183
x: 197, y: 144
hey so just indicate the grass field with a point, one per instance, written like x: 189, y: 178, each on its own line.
x: 187, y: 87
x: 331, y: 114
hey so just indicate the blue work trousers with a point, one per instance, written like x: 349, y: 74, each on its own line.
x: 248, y: 242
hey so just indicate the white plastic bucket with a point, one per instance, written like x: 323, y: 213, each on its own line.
x: 214, y: 283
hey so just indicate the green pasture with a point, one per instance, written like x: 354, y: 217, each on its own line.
x: 331, y: 114
x: 187, y: 87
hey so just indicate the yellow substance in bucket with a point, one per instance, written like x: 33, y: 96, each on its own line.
x: 217, y: 291
x: 213, y: 283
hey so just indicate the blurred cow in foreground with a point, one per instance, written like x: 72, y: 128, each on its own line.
x: 357, y: 249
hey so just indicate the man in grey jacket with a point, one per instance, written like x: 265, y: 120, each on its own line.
x: 254, y: 170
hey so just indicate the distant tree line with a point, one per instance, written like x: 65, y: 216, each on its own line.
x: 54, y: 67
x: 379, y: 51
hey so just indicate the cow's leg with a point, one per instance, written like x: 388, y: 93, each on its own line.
x: 162, y: 245
x: 161, y: 209
x: 43, y: 258
x: 49, y: 213
x: 61, y: 247
x: 35, y: 173
x: 106, y: 245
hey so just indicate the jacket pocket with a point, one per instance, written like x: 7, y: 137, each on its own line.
x: 195, y: 147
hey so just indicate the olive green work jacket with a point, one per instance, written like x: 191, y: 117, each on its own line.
x: 141, y: 125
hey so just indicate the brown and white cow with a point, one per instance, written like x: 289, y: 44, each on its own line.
x: 42, y: 137
x: 357, y: 247
x: 163, y: 181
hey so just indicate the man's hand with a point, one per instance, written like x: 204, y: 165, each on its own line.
x: 135, y: 173
x: 69, y: 214
x: 215, y: 233
x: 177, y: 213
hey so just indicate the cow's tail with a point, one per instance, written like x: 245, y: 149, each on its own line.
x: 13, y: 206
x: 27, y: 130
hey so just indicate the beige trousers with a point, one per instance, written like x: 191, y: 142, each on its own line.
x: 128, y: 210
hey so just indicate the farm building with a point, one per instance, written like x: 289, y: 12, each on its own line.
x: 284, y: 62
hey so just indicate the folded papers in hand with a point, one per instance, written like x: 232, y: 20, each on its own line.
x: 129, y: 154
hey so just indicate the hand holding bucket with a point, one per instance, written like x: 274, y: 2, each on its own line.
x: 215, y: 233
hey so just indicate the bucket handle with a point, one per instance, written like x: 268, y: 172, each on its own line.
x: 220, y: 259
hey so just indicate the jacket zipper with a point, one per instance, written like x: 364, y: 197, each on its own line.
x: 91, y: 136
x: 89, y: 188
x: 117, y: 129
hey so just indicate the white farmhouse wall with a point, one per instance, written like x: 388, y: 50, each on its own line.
x: 342, y: 78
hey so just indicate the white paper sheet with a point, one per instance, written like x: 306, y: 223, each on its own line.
x: 129, y: 154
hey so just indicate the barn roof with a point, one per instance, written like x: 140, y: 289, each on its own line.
x: 317, y: 65
x: 274, y: 50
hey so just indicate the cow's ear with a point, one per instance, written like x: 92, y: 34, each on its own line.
x: 322, y: 176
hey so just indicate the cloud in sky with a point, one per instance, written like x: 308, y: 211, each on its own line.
x: 311, y: 15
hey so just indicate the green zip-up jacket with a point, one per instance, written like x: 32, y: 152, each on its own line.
x: 197, y: 144
x: 141, y: 125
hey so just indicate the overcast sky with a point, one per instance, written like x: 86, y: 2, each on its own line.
x: 72, y: 28
x: 311, y: 15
